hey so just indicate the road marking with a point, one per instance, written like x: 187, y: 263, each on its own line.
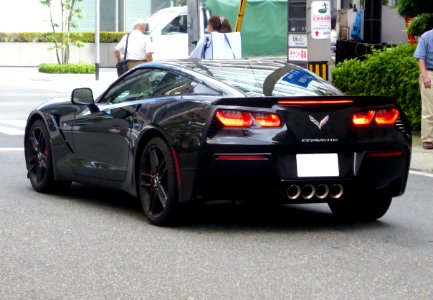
x: 421, y: 173
x: 16, y: 123
x: 12, y: 127
x: 11, y: 149
x: 11, y: 131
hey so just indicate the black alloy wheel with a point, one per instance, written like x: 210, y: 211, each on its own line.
x: 39, y: 159
x: 158, y: 188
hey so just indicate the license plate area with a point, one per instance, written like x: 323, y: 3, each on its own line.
x: 317, y: 165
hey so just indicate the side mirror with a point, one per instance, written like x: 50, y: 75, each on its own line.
x: 82, y: 96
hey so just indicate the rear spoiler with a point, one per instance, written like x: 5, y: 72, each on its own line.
x: 310, y: 101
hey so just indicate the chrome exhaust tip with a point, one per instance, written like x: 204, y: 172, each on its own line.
x: 336, y: 191
x: 293, y: 192
x: 322, y: 191
x: 308, y: 191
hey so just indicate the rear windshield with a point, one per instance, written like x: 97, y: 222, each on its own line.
x: 265, y: 78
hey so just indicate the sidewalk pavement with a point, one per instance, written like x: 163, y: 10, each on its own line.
x: 422, y: 160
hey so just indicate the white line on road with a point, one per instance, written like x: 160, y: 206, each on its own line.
x: 11, y: 131
x: 16, y: 123
x: 421, y: 173
x: 11, y: 149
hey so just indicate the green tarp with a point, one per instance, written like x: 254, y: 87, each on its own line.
x: 264, y: 28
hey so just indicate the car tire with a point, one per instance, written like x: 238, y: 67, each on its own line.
x: 38, y: 154
x: 158, y: 189
x: 364, y: 209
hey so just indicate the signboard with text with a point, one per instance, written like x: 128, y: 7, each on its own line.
x: 298, y: 40
x: 299, y: 54
x: 321, y: 20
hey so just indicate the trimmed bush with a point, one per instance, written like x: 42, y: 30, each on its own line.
x: 388, y: 72
x: 48, y: 37
x: 69, y: 68
x: 420, y: 24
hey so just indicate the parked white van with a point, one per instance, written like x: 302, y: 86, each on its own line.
x: 168, y: 29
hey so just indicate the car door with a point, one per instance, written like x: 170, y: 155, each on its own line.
x: 102, y: 138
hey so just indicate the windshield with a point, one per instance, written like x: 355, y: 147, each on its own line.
x: 160, y: 19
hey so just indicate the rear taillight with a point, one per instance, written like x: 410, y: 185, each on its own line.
x: 380, y: 117
x: 386, y: 116
x: 231, y: 118
x: 267, y: 120
x: 363, y: 118
x: 235, y: 118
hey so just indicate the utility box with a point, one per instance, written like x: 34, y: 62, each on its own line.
x: 309, y: 34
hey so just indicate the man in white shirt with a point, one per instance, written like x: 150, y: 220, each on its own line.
x: 139, y: 49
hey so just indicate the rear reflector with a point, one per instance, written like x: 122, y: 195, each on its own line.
x: 386, y: 154
x: 241, y: 157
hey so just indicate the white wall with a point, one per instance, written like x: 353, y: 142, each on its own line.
x: 393, y: 26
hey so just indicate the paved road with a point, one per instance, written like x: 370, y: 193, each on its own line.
x: 91, y: 243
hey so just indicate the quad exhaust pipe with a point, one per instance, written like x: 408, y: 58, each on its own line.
x: 308, y: 191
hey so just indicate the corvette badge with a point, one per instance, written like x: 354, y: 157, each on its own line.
x: 321, y: 123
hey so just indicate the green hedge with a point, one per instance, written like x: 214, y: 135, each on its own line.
x: 388, y: 72
x: 85, y: 37
x: 68, y: 68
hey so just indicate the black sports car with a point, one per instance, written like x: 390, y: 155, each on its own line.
x: 185, y: 131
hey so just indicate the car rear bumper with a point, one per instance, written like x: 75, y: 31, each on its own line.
x: 276, y: 177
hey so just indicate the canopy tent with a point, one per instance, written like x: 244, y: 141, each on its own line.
x: 264, y: 28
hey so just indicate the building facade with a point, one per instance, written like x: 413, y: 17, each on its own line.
x: 118, y: 15
x: 115, y: 15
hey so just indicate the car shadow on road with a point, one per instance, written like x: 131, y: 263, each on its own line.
x: 109, y: 199
x: 294, y: 216
x: 222, y: 215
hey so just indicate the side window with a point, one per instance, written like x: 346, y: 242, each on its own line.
x: 139, y: 85
x: 173, y: 84
x: 177, y: 25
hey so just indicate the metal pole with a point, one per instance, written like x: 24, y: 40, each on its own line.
x: 194, y: 11
x: 240, y: 18
x: 97, y: 40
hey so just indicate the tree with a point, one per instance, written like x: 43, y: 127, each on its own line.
x: 62, y: 27
x: 413, y: 8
